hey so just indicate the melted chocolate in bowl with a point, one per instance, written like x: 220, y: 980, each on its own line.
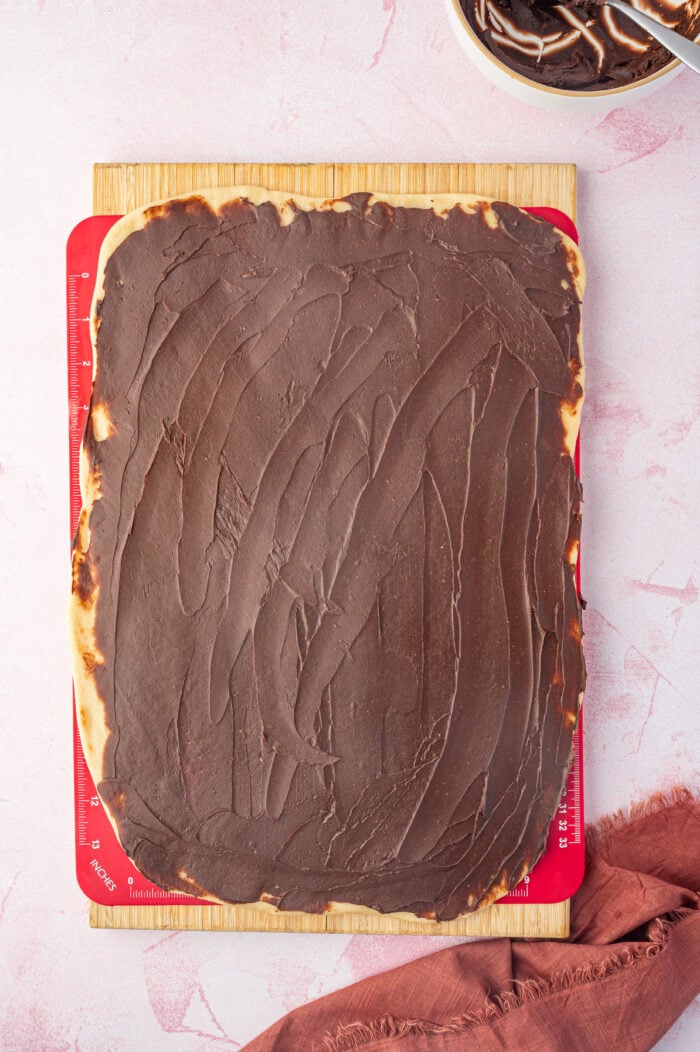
x: 584, y: 46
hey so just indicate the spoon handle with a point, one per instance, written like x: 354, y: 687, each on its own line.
x: 686, y: 50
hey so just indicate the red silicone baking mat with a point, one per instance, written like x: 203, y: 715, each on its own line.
x: 105, y: 872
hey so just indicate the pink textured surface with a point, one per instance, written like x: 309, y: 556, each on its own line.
x: 318, y: 81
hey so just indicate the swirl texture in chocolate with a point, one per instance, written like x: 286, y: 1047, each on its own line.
x: 584, y: 45
x: 323, y: 580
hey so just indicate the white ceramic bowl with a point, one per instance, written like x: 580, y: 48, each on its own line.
x: 541, y: 94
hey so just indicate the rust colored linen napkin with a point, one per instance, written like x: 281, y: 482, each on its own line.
x: 630, y: 967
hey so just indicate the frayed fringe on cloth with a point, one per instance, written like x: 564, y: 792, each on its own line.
x: 355, y: 1035
x: 598, y: 835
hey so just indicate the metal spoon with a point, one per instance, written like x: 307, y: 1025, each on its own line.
x: 686, y: 50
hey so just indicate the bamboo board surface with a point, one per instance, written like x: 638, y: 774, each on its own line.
x: 119, y: 188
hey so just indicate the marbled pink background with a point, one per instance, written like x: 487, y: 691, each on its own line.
x: 312, y: 80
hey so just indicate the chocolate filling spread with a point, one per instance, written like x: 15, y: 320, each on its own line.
x: 578, y: 44
x: 339, y: 626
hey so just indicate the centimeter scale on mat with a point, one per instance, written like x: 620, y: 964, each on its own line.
x: 105, y: 873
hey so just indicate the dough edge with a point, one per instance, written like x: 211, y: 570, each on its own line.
x: 90, y: 711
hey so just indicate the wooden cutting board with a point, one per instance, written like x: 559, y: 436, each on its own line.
x: 118, y: 188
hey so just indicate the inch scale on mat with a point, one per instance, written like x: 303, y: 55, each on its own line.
x: 560, y: 870
x: 105, y: 873
x: 568, y: 818
x: 79, y: 375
